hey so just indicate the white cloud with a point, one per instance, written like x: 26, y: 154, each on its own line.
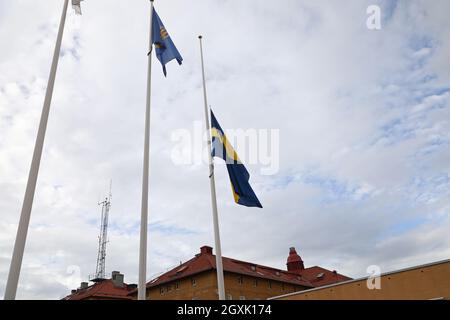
x: 363, y: 118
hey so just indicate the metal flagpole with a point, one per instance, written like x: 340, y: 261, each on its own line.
x: 144, y: 203
x: 19, y: 245
x: 220, y: 281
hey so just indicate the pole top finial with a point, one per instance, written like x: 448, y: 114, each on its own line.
x: 200, y: 36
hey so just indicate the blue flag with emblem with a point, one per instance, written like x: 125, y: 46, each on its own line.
x: 239, y: 176
x: 164, y: 48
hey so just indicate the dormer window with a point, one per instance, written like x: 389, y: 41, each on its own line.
x: 182, y: 269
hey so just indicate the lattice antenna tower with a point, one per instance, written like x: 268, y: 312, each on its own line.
x: 100, y: 273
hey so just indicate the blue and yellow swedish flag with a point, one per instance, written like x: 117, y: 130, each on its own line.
x: 239, y: 176
x: 164, y: 48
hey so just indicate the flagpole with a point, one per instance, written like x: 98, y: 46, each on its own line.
x: 144, y: 202
x: 19, y: 245
x: 220, y: 280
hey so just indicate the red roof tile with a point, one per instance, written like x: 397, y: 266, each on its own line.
x: 319, y: 276
x: 102, y: 290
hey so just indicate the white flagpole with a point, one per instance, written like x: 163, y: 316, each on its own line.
x: 144, y: 203
x: 19, y: 245
x: 220, y: 281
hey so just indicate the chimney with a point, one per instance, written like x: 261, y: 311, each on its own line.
x: 206, y: 250
x: 117, y: 278
x: 294, y: 262
x: 73, y: 291
x: 84, y: 285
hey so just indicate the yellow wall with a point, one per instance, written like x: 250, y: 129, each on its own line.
x: 206, y: 288
x: 421, y: 283
x: 261, y: 291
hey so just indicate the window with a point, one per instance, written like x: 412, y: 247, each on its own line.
x: 161, y: 290
x: 182, y: 269
x: 242, y: 298
x: 177, y: 286
x: 269, y: 284
x: 255, y: 282
x: 194, y: 283
x: 169, y: 288
x: 240, y: 280
x: 282, y: 286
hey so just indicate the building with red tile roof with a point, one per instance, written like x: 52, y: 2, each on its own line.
x: 104, y: 289
x: 196, y: 279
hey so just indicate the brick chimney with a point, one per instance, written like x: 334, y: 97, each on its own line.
x: 294, y: 262
x: 117, y: 278
x: 206, y: 250
x: 84, y: 285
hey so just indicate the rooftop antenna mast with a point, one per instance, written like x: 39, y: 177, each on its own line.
x: 103, y: 238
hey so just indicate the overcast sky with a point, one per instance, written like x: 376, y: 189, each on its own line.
x: 363, y: 120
